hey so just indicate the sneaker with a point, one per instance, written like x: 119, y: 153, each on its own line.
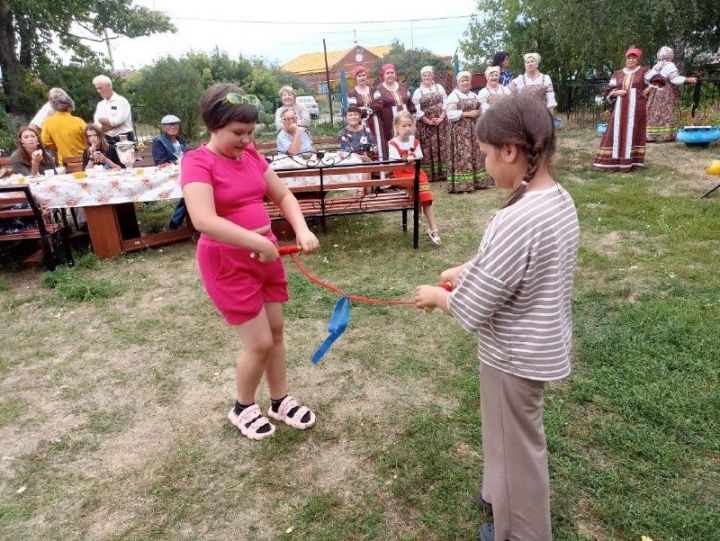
x: 434, y: 237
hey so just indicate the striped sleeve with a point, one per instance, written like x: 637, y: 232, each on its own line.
x: 492, y: 276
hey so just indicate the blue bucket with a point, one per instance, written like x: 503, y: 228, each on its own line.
x: 556, y: 123
x: 601, y: 128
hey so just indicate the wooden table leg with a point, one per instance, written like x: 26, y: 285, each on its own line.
x: 104, y: 231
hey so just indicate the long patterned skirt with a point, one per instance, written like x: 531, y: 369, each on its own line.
x: 434, y: 146
x: 661, y: 109
x: 467, y: 164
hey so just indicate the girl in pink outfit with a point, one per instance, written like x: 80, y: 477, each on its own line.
x: 224, y: 183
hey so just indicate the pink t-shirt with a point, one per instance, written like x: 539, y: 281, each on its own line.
x: 238, y: 185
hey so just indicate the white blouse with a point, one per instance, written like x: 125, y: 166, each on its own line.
x: 451, y: 104
x: 421, y: 91
x: 521, y: 81
x: 485, y: 94
x: 667, y: 70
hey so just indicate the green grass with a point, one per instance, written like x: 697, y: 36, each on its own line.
x: 117, y: 376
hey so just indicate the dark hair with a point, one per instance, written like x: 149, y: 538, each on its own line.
x: 523, y: 121
x: 499, y: 57
x: 353, y: 109
x: 102, y: 144
x: 23, y: 154
x: 218, y: 112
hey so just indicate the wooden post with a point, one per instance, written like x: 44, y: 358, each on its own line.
x: 327, y: 79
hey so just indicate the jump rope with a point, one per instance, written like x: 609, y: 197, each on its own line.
x: 340, y: 318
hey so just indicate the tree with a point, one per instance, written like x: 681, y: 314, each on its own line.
x: 28, y: 31
x: 170, y: 86
x: 409, y: 62
x: 576, y: 35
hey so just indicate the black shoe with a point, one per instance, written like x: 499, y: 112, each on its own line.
x: 482, y: 504
x: 487, y: 532
x: 173, y: 225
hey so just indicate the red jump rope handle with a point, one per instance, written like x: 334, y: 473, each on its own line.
x: 447, y: 286
x: 289, y: 249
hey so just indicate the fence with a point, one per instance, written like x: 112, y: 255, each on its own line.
x: 585, y: 104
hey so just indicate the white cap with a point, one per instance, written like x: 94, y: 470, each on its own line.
x: 170, y: 119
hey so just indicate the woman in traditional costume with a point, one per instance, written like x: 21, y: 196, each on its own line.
x: 622, y: 148
x: 663, y: 100
x: 493, y: 91
x: 361, y: 97
x: 390, y: 98
x: 534, y: 82
x: 432, y: 124
x: 466, y: 168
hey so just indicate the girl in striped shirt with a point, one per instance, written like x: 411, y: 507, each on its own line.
x: 515, y: 295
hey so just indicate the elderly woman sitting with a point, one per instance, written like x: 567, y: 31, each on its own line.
x: 292, y: 139
x: 63, y: 131
x: 287, y: 96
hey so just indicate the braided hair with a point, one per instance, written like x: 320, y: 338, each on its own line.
x: 523, y: 121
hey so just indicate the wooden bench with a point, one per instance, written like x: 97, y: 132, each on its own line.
x: 19, y: 203
x: 402, y: 197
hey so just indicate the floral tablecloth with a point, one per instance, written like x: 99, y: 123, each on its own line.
x: 296, y: 162
x: 102, y: 188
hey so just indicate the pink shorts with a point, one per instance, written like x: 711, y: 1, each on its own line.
x: 238, y: 284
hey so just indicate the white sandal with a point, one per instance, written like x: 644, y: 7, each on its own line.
x: 435, y: 237
x: 295, y: 421
x: 249, y: 421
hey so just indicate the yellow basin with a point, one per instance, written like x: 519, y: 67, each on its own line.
x: 713, y: 168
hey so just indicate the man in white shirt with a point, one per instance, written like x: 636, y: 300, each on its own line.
x: 113, y: 113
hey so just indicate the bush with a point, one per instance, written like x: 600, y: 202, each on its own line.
x: 8, y: 133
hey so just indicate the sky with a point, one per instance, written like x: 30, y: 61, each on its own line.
x: 280, y: 30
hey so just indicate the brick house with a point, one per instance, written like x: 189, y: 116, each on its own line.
x: 310, y: 67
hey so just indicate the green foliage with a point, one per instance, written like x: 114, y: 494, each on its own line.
x: 71, y: 285
x: 575, y: 35
x: 33, y: 29
x: 408, y: 64
x: 8, y: 133
x: 170, y: 86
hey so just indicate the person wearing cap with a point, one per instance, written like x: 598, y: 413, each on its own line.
x: 622, y: 148
x: 432, y: 124
x: 169, y: 148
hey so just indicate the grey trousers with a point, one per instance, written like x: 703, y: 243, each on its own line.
x: 516, y: 480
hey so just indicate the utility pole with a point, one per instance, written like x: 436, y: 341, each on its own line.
x: 327, y: 79
x: 109, y: 48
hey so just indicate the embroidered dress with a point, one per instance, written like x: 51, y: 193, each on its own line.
x: 490, y: 96
x: 466, y: 166
x: 386, y: 106
x: 429, y: 104
x: 662, y: 104
x: 399, y: 151
x: 537, y: 87
x: 364, y: 101
x: 623, y: 146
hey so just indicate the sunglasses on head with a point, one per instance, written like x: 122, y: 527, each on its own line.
x: 238, y: 99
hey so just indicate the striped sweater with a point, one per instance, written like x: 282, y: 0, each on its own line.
x: 515, y: 293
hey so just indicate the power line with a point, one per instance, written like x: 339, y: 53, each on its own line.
x: 295, y: 23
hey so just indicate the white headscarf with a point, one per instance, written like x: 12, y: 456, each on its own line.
x: 532, y: 55
x: 490, y: 69
x: 665, y: 54
x: 426, y: 69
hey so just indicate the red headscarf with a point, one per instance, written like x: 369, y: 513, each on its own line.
x: 386, y: 67
x: 358, y: 69
x: 634, y: 51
